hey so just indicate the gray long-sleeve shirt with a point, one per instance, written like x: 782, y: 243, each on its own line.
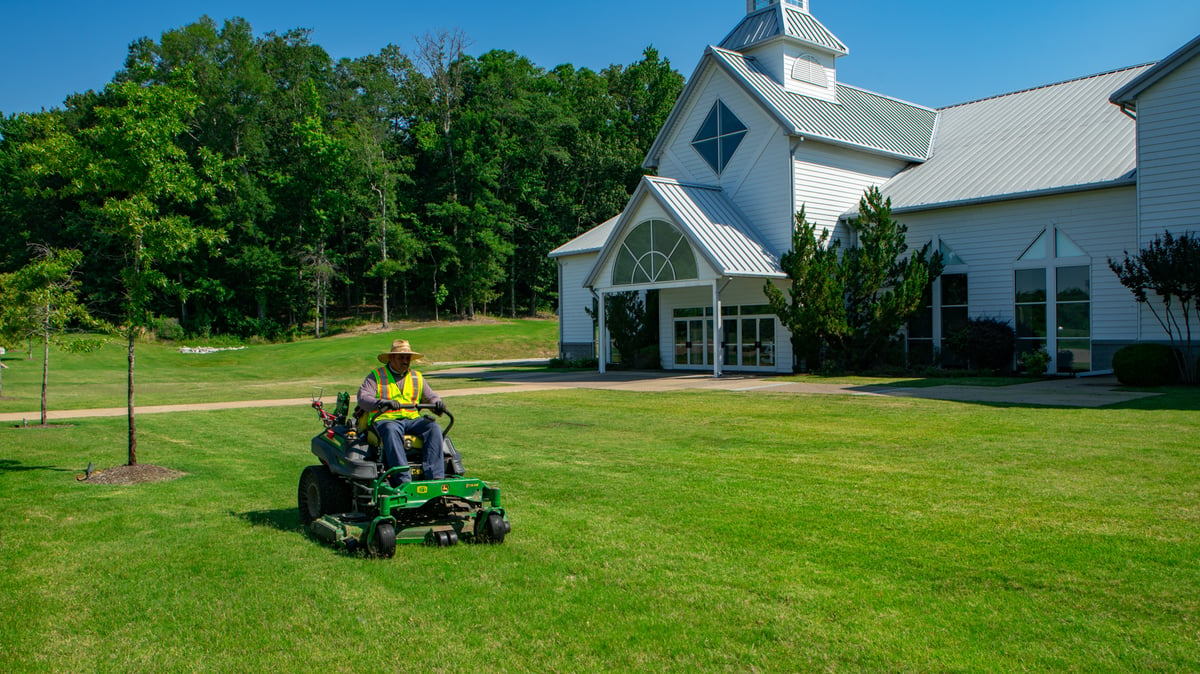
x: 368, y: 395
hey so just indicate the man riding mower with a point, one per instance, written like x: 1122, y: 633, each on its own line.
x: 389, y: 475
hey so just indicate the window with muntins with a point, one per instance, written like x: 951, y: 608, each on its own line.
x: 719, y: 137
x: 1052, y: 298
x: 655, y: 251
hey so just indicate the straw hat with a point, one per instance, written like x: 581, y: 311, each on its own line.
x: 400, y: 347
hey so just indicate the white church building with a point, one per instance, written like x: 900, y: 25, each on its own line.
x: 1027, y: 195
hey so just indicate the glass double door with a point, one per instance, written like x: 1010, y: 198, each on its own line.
x: 748, y: 342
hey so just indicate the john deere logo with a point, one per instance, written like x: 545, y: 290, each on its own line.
x: 422, y: 489
x: 445, y: 489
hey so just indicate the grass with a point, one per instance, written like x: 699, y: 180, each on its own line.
x: 696, y: 531
x: 905, y: 381
x: 258, y: 372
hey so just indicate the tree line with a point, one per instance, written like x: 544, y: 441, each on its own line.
x: 250, y: 185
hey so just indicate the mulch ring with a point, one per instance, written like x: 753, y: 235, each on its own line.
x: 137, y: 474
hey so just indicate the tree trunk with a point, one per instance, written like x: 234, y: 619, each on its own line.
x: 385, y: 304
x: 45, y: 369
x: 132, y: 422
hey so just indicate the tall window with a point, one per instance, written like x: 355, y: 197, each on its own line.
x: 944, y: 310
x: 719, y: 137
x: 1030, y: 309
x: 1053, y: 294
x: 654, y: 252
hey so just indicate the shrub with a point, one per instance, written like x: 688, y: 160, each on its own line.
x: 168, y: 328
x: 1035, y: 362
x: 986, y: 343
x: 1146, y: 365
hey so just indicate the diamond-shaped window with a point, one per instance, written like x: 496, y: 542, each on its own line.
x: 719, y: 137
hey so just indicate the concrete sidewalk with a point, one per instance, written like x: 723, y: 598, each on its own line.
x: 1067, y: 392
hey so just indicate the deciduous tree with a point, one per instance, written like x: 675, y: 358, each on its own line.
x: 1169, y: 267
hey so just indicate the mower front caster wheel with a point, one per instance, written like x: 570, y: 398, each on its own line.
x: 384, y: 542
x: 495, y: 529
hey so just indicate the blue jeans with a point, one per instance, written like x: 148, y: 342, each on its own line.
x: 392, y: 432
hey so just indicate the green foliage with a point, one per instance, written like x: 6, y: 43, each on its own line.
x: 40, y: 301
x: 849, y: 309
x: 882, y: 287
x: 986, y: 343
x: 322, y: 186
x: 1170, y: 269
x: 1035, y: 362
x: 815, y: 311
x: 1146, y: 365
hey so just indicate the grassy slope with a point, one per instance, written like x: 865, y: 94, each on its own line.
x: 259, y: 372
x: 691, y: 532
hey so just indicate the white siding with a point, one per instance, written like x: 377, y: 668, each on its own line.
x: 991, y: 237
x: 1169, y: 153
x: 830, y: 180
x: 756, y: 179
x: 574, y: 324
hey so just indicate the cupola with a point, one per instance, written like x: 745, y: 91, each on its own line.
x: 791, y: 45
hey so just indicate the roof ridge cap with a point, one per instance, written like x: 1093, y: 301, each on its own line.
x: 1047, y: 86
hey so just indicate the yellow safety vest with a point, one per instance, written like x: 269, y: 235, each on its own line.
x: 408, y: 392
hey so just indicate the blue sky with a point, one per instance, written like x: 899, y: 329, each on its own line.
x: 934, y: 52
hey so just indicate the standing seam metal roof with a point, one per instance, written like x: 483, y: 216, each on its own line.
x: 860, y: 118
x: 778, y: 20
x: 714, y: 227
x: 726, y: 237
x: 1057, y: 137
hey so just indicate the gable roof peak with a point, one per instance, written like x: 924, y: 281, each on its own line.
x: 767, y: 20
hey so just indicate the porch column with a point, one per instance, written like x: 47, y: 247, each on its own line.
x: 718, y: 329
x: 602, y: 347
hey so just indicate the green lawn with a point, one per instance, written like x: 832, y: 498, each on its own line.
x: 691, y: 531
x: 258, y: 372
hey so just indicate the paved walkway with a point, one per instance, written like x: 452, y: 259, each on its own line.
x: 1073, y: 392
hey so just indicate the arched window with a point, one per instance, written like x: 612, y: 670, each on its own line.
x: 807, y: 69
x: 654, y: 252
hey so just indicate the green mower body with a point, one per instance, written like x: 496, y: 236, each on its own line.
x: 348, y: 501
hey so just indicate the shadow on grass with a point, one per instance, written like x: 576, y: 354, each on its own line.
x: 283, y: 520
x: 13, y: 466
x: 1169, y: 398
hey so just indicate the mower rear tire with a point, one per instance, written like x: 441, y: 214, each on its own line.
x: 384, y: 542
x: 320, y: 494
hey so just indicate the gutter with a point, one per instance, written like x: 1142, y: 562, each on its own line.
x: 1129, y: 180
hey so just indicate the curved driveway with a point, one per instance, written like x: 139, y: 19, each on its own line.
x: 506, y: 378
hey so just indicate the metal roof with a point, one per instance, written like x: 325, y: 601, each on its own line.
x: 732, y: 245
x: 860, y: 118
x: 716, y: 229
x: 780, y: 20
x: 588, y: 242
x: 1127, y: 95
x: 1054, y: 138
